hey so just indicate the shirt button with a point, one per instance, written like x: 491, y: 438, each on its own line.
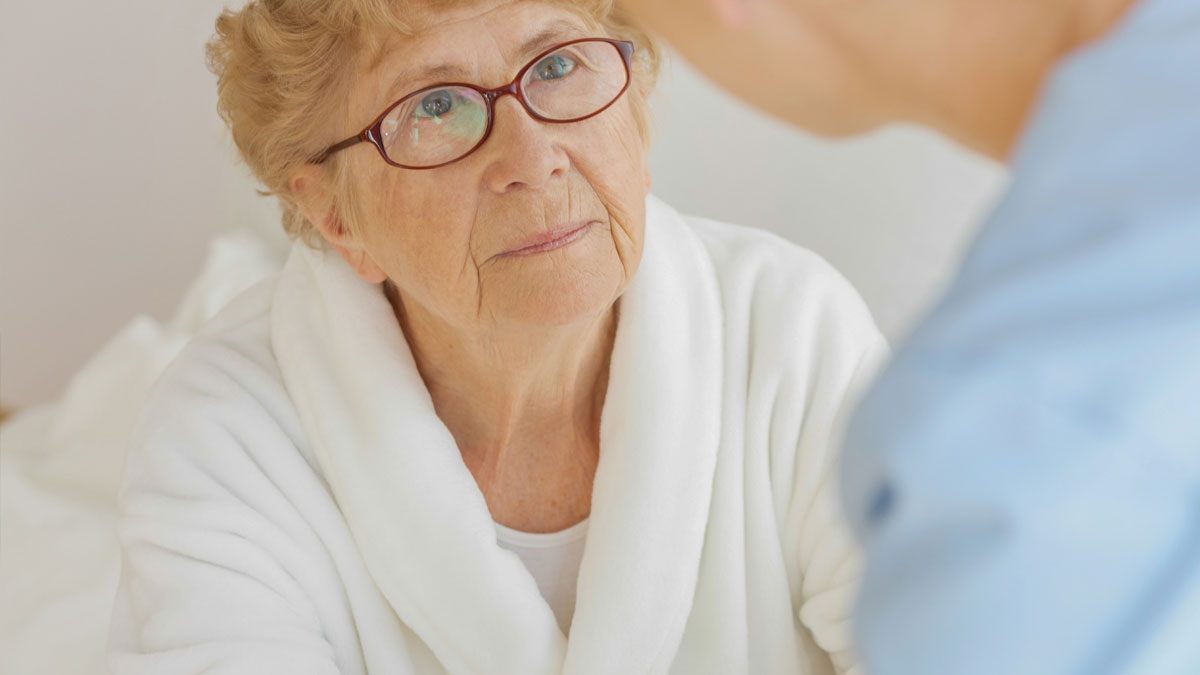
x: 881, y: 504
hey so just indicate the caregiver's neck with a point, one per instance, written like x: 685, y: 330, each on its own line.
x: 984, y: 89
x: 523, y: 404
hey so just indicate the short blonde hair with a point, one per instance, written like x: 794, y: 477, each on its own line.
x: 282, y: 81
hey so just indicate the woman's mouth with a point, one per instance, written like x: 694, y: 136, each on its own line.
x: 556, y: 237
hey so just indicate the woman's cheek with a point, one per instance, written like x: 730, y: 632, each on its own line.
x: 409, y: 232
x: 619, y: 145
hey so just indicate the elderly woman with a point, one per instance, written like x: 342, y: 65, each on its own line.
x: 497, y: 396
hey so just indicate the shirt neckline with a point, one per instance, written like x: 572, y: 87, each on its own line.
x: 541, y: 539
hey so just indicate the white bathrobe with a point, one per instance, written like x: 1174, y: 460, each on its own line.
x: 292, y: 504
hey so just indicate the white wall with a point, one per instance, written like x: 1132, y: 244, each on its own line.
x: 116, y: 171
x: 114, y: 174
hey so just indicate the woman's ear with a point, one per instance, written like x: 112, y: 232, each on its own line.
x: 309, y: 185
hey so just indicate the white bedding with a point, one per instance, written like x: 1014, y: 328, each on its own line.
x: 59, y: 468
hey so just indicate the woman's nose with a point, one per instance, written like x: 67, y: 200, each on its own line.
x: 522, y: 152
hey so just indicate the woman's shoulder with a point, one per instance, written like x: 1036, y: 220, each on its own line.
x: 224, y: 384
x: 231, y: 352
x: 787, y: 297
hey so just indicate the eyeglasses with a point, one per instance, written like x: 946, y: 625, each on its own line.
x: 443, y: 123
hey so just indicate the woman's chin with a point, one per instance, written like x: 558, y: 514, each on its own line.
x: 558, y: 287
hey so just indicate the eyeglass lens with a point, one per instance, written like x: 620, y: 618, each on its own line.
x: 439, y: 125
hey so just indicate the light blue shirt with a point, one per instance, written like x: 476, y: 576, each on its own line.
x: 1025, y: 476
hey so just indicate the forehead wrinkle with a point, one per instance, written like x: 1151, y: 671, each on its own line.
x: 406, y: 81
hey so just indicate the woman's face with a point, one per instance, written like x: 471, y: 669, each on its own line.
x: 459, y: 240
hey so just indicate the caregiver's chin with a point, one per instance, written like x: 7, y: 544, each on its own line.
x: 504, y: 267
x: 968, y: 69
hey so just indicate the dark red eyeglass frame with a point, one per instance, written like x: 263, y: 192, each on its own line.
x: 373, y: 134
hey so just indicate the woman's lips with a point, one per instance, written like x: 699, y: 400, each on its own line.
x: 549, y: 240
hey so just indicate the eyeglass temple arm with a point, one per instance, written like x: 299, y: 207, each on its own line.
x: 363, y: 135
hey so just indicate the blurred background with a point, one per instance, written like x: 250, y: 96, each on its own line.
x: 116, y: 173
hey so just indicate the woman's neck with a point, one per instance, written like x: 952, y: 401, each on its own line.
x: 523, y: 403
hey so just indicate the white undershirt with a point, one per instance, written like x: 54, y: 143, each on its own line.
x: 553, y: 559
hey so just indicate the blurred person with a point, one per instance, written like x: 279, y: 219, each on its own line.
x: 1025, y: 475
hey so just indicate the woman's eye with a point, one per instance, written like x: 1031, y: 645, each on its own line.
x: 553, y: 67
x: 436, y: 104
